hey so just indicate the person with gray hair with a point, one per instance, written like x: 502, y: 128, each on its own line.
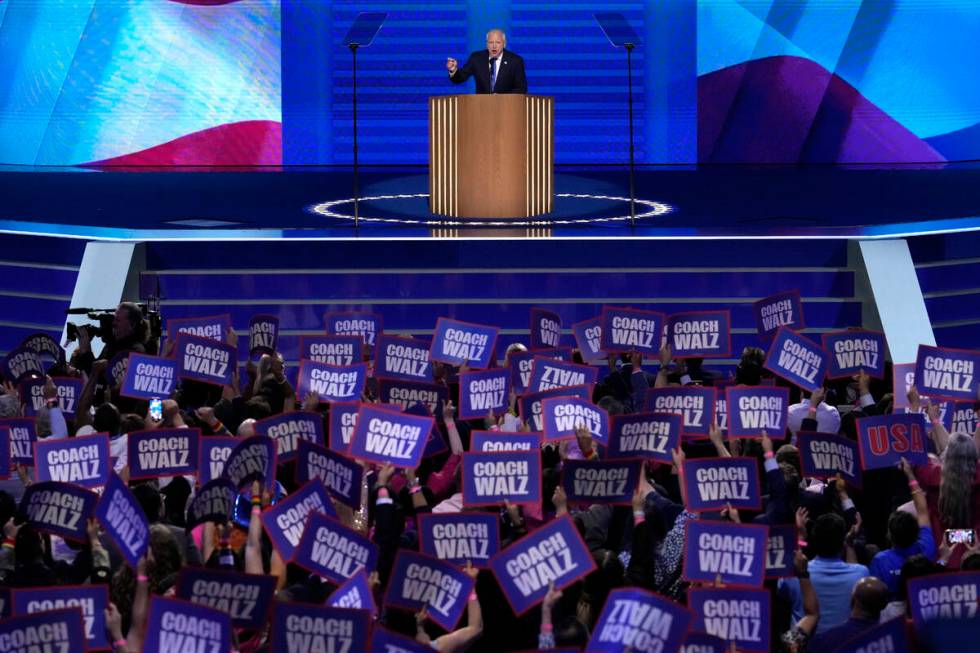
x: 496, y: 70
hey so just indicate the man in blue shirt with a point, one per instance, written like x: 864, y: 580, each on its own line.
x: 909, y: 536
x: 833, y: 579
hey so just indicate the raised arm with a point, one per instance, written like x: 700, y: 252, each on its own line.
x: 461, y: 638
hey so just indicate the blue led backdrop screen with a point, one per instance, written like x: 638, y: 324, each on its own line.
x: 268, y: 82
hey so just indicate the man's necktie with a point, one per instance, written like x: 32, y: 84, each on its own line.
x: 493, y: 74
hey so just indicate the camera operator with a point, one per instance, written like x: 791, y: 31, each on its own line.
x: 129, y: 333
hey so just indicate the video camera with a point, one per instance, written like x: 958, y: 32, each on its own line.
x: 105, y: 317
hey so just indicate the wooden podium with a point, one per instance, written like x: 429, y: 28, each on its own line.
x: 491, y: 156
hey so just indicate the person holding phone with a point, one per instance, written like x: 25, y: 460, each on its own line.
x: 909, y: 535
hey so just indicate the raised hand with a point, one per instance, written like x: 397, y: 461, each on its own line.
x: 451, y: 65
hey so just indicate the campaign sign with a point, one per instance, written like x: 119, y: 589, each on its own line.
x: 178, y: 625
x: 696, y: 405
x: 824, y: 455
x: 331, y: 350
x: 118, y: 367
x: 704, y: 643
x: 263, y: 334
x: 243, y: 597
x: 214, y: 452
x: 163, y: 452
x: 61, y: 509
x: 366, y: 325
x: 735, y: 615
x: 488, y: 441
x: 208, y: 361
x: 777, y: 311
x: 531, y: 406
x: 332, y: 382
x: 630, y: 329
x: 340, y: 475
x: 780, y: 551
x: 23, y: 435
x: 382, y: 435
x: 588, y: 338
x: 964, y: 418
x: 149, y: 377
x: 343, y: 417
x: 385, y: 641
x: 418, y: 580
x: 287, y: 429
x: 69, y: 391
x: 711, y: 483
x: 82, y: 460
x: 51, y: 630
x: 403, y: 358
x: 947, y: 373
x: 545, y: 332
x: 460, y: 537
x: 213, y: 327
x: 43, y: 345
x: 633, y: 619
x: 92, y: 600
x: 734, y: 552
x: 355, y: 594
x: 753, y: 411
x: 547, y: 374
x: 5, y: 452
x: 946, y: 410
x: 700, y: 334
x: 903, y: 378
x: 21, y: 363
x: 554, y: 553
x: 301, y: 628
x: 645, y: 435
x: 601, y: 481
x: 797, y: 359
x: 944, y: 596
x: 463, y: 343
x: 332, y: 550
x: 721, y: 405
x: 252, y: 459
x: 482, y: 392
x: 564, y: 415
x: 286, y: 520
x: 889, y: 636
x: 853, y: 351
x: 520, y: 364
x: 123, y: 519
x: 884, y: 440
x: 489, y: 478
x: 214, y: 502
x: 405, y: 394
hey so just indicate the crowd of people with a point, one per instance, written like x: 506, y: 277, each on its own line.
x: 858, y: 548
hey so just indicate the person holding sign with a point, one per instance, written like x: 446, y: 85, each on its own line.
x: 909, y: 536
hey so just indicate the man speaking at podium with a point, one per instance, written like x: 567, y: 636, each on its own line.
x: 495, y: 69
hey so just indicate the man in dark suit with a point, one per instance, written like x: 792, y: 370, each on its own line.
x: 495, y: 69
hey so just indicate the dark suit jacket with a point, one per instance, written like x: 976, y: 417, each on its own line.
x: 510, y: 74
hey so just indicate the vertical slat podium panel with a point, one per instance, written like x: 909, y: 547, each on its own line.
x: 443, y: 155
x: 538, y: 135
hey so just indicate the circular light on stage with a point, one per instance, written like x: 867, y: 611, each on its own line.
x: 653, y: 209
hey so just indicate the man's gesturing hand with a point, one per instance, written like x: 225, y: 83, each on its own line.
x: 451, y: 65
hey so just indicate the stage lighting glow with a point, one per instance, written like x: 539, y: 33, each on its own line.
x: 653, y: 209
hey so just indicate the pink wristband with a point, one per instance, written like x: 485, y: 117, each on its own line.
x: 546, y: 628
x: 142, y: 579
x: 415, y: 489
x: 472, y: 596
x: 936, y: 422
x: 119, y: 643
x: 913, y: 483
x: 767, y: 455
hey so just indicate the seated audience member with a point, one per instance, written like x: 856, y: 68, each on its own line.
x: 868, y: 599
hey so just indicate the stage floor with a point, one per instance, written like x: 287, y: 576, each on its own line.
x: 681, y: 202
